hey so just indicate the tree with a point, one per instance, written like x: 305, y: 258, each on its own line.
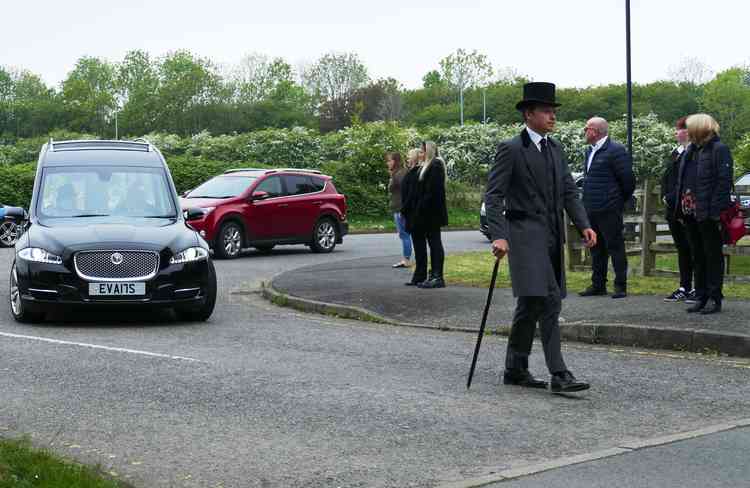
x: 464, y: 70
x: 188, y: 85
x: 256, y: 77
x: 137, y: 89
x: 89, y: 95
x: 727, y: 98
x: 332, y: 80
x: 690, y: 70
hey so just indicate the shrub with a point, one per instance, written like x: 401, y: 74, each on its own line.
x: 17, y: 194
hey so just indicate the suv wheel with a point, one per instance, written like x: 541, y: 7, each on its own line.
x: 325, y: 235
x: 229, y: 241
x: 203, y: 311
x: 20, y: 310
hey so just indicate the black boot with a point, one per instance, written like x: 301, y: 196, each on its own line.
x: 712, y: 306
x: 698, y: 306
x: 593, y: 291
x: 435, y: 281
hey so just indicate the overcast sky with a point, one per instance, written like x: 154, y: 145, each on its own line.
x: 569, y: 42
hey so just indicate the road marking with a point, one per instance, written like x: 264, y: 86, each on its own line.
x: 97, y: 346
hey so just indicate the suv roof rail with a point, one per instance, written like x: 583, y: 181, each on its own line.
x: 237, y: 170
x: 88, y: 144
x: 297, y: 170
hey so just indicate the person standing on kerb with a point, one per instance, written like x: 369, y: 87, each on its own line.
x: 528, y: 188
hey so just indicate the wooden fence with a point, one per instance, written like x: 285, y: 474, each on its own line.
x: 645, y: 231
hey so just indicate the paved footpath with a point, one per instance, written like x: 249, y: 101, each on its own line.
x: 263, y: 396
x: 371, y: 284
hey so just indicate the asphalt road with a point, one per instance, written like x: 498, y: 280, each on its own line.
x: 262, y: 396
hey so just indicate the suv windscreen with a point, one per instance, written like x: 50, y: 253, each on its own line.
x: 125, y: 191
x: 222, y: 187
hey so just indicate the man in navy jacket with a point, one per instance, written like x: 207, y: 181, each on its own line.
x: 608, y: 183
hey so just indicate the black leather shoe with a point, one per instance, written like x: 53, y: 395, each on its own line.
x: 414, y: 282
x: 712, y: 306
x: 565, y: 382
x: 593, y: 292
x: 435, y: 282
x: 698, y: 306
x: 522, y: 377
x: 620, y: 293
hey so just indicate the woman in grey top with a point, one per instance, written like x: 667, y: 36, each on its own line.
x: 397, y: 172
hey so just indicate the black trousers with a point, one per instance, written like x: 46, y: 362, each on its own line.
x: 609, y: 242
x: 421, y: 239
x: 545, y: 311
x: 684, y: 254
x: 706, y: 245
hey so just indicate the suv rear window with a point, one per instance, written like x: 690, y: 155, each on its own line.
x: 300, y: 184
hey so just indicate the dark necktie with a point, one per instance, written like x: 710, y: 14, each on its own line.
x: 545, y: 151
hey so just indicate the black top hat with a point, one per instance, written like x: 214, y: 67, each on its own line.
x: 538, y: 92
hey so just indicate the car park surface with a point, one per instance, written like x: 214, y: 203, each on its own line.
x: 263, y: 396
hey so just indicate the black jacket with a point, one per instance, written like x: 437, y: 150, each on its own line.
x: 669, y: 182
x: 714, y: 180
x: 409, y: 197
x: 430, y: 209
x: 609, y: 182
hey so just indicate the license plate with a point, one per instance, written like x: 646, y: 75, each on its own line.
x: 117, y: 289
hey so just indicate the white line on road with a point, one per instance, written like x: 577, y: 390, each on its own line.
x: 97, y: 346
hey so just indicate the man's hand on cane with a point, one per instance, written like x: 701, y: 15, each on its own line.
x: 589, y: 238
x: 500, y: 248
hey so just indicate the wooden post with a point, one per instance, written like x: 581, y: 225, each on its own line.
x: 648, y: 228
x: 571, y: 239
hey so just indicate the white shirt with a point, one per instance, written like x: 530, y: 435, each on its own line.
x: 680, y: 149
x: 536, y: 138
x: 595, y: 148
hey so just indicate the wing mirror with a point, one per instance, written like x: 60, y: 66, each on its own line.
x: 195, y: 213
x: 15, y: 213
x: 259, y: 195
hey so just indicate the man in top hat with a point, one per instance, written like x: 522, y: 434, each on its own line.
x: 529, y: 186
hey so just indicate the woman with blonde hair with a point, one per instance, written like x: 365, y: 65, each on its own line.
x: 397, y: 172
x: 429, y: 213
x: 704, y: 187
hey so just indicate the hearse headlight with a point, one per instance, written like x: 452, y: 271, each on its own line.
x: 189, y: 255
x: 39, y: 255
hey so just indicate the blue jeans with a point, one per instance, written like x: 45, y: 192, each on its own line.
x: 403, y: 235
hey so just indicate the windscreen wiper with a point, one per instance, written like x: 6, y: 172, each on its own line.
x: 89, y: 215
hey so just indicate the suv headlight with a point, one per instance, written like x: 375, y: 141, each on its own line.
x: 483, y: 210
x: 39, y: 255
x: 189, y: 255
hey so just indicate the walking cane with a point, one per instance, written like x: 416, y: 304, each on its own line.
x: 484, y: 322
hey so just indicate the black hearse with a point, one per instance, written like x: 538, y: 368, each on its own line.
x: 106, y: 230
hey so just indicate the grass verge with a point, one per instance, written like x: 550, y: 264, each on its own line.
x: 23, y: 466
x: 474, y: 269
x: 457, y: 218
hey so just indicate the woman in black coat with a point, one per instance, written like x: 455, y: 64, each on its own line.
x: 704, y: 186
x: 427, y: 212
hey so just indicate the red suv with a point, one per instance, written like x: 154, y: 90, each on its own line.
x: 264, y: 207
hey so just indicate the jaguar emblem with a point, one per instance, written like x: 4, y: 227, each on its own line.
x: 116, y: 258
